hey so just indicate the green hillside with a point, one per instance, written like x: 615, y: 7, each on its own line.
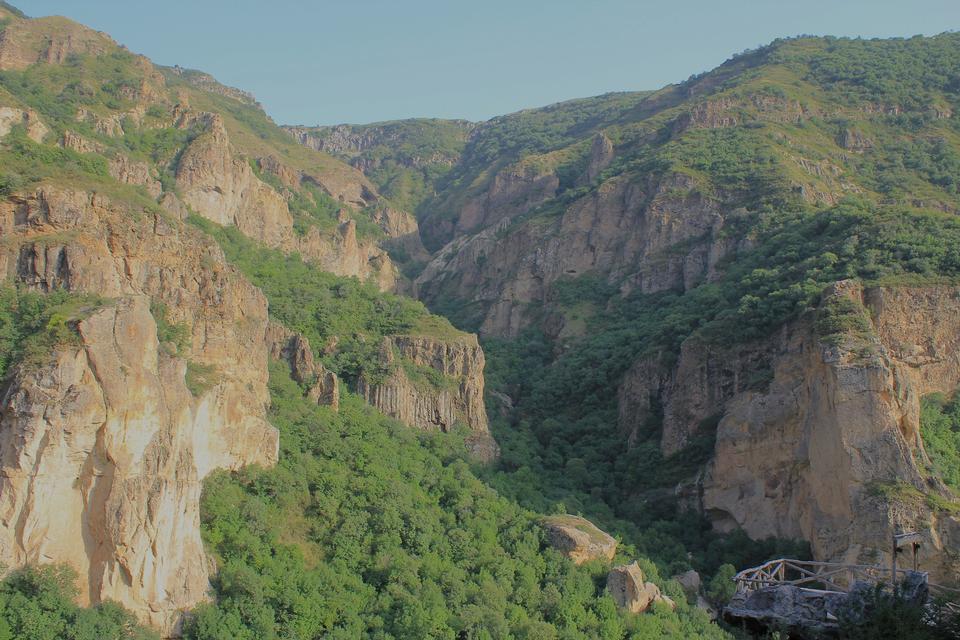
x: 830, y: 159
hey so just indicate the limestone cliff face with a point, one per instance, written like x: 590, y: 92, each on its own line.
x: 221, y: 186
x: 457, y: 398
x: 626, y: 231
x: 511, y: 192
x: 104, y: 447
x: 806, y: 446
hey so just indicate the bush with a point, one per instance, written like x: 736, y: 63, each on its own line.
x: 200, y: 378
x: 882, y: 615
x: 721, y: 587
x: 940, y: 430
x: 37, y: 603
x: 33, y: 325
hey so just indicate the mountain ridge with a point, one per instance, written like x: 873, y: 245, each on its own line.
x: 696, y: 305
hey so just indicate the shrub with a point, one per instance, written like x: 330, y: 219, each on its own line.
x: 37, y: 603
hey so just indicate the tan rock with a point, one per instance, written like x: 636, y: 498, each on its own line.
x: 578, y: 538
x: 601, y: 155
x: 295, y: 350
x: 511, y: 192
x: 104, y: 448
x: 622, y: 230
x: 10, y: 117
x: 419, y: 403
x: 626, y: 585
x: 344, y: 253
x: 809, y: 434
x: 274, y: 166
x: 127, y: 171
x: 80, y: 144
x: 219, y: 184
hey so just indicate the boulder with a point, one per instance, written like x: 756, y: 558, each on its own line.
x: 690, y: 581
x: 630, y: 592
x: 578, y: 538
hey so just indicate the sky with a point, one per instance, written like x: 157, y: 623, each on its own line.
x: 357, y: 61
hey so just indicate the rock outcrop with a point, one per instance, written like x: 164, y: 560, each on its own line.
x: 127, y: 171
x: 578, y: 538
x: 322, y: 385
x: 433, y: 384
x: 601, y: 155
x: 104, y: 447
x: 27, y: 118
x: 623, y: 231
x: 220, y: 185
x: 511, y: 192
x: 629, y: 590
x: 822, y: 442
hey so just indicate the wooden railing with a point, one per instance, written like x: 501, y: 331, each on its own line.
x: 823, y: 576
x: 829, y: 576
x: 948, y: 596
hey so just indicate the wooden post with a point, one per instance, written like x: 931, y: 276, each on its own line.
x: 913, y: 538
x: 893, y: 566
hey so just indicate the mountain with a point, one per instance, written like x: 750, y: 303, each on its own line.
x: 717, y: 319
x: 145, y: 212
x: 735, y: 293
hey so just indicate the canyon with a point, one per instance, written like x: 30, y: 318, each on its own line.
x: 725, y: 273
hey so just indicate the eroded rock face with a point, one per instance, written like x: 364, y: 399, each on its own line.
x: 601, y: 155
x: 511, y: 192
x: 103, y: 448
x: 620, y: 231
x: 128, y: 171
x: 11, y: 117
x: 629, y: 590
x: 433, y: 404
x: 823, y: 443
x: 221, y: 186
x: 579, y: 539
x: 323, y: 386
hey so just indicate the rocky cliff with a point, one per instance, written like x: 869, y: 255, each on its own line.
x: 103, y: 447
x: 817, y: 437
x: 220, y: 185
x: 661, y: 235
x: 433, y: 384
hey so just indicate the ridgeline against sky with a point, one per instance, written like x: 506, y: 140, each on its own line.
x: 330, y: 62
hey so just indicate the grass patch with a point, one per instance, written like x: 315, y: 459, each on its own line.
x: 174, y: 337
x: 200, y: 378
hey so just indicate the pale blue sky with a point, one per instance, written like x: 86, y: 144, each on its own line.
x: 331, y: 61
